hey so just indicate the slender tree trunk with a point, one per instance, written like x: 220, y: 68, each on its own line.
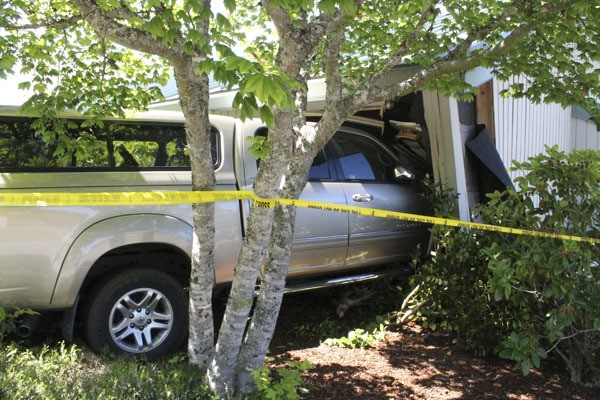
x: 220, y: 376
x: 193, y: 93
x: 268, y: 303
x: 220, y: 373
x: 295, y: 52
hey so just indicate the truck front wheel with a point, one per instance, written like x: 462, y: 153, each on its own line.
x: 138, y: 312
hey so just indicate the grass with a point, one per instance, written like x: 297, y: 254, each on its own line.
x: 64, y: 372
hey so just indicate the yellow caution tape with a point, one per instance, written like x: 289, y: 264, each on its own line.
x: 62, y: 199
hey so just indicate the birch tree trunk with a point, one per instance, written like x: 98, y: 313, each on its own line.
x: 309, y: 140
x: 296, y: 49
x: 272, y: 286
x: 220, y: 375
x: 193, y: 94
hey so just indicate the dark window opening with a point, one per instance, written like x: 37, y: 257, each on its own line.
x: 362, y: 159
x: 114, y: 146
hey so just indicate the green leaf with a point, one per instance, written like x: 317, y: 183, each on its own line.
x: 327, y: 6
x: 7, y: 61
x: 251, y: 83
x: 348, y: 7
x: 526, y: 367
x: 204, y: 67
x: 267, y: 116
x: 230, y: 5
x: 223, y: 22
x: 155, y: 27
x: 237, y: 100
x: 541, y: 352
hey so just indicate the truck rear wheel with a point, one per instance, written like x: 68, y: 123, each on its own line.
x: 138, y: 312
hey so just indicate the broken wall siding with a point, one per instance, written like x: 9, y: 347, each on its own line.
x: 584, y: 134
x: 524, y: 128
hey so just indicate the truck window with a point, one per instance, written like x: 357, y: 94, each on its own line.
x: 114, y: 146
x: 319, y: 170
x: 363, y: 159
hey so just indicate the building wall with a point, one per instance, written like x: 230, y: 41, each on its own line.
x: 523, y: 128
x: 584, y: 134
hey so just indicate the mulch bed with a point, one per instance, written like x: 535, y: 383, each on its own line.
x: 412, y: 364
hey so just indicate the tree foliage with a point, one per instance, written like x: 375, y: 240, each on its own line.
x: 72, y: 67
x: 554, y: 43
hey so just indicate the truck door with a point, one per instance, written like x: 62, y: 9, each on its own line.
x: 320, y: 237
x: 366, y: 170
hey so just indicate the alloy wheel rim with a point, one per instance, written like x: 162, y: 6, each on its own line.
x: 141, y: 320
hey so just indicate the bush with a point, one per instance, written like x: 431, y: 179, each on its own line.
x: 283, y: 387
x: 555, y: 283
x: 453, y: 288
x: 525, y: 296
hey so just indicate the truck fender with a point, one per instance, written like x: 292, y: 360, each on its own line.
x: 109, y: 234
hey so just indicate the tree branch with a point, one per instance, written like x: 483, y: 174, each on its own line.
x: 396, y: 58
x: 332, y: 62
x: 126, y: 36
x: 448, y: 64
x: 334, y: 111
x: 281, y: 19
x: 584, y: 331
x: 50, y: 24
x: 481, y: 32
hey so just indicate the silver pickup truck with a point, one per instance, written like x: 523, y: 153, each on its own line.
x: 120, y: 272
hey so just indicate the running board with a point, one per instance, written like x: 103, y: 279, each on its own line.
x: 303, y: 286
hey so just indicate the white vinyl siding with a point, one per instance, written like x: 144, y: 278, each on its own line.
x: 584, y: 134
x: 524, y: 128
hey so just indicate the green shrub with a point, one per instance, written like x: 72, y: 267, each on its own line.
x: 285, y: 386
x: 363, y: 337
x: 525, y: 296
x: 554, y: 283
x: 452, y: 287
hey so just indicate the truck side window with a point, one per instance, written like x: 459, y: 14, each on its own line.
x: 114, y: 146
x: 21, y: 147
x: 319, y: 169
x: 361, y: 158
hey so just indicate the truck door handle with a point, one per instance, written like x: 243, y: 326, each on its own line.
x: 363, y: 198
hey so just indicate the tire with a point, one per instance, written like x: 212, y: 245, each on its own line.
x: 141, y: 312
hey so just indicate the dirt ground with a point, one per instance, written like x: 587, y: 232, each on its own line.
x: 411, y: 364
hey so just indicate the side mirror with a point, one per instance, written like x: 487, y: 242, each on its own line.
x: 402, y: 174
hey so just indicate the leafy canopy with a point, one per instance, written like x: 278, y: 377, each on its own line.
x: 73, y: 68
x: 555, y: 43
